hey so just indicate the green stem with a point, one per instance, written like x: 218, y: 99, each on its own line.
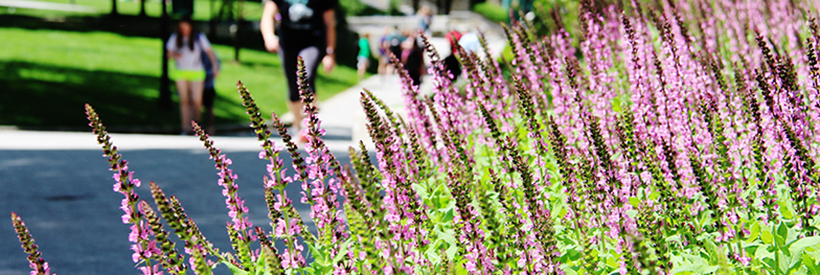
x: 776, y: 252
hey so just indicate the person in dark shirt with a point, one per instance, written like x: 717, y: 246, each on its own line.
x: 451, y: 63
x: 413, y: 57
x: 303, y: 28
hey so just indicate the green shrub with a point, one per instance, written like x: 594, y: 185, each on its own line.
x: 492, y: 12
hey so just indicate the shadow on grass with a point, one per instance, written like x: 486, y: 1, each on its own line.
x: 37, y: 96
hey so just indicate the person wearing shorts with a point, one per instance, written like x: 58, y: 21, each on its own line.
x: 307, y: 29
x: 363, y: 57
x: 209, y: 92
x: 185, y: 47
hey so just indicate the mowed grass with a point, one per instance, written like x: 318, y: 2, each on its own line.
x: 47, y: 76
x: 202, y: 8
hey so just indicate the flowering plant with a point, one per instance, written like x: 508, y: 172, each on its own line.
x: 682, y: 138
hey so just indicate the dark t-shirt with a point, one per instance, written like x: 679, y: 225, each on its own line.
x: 302, y: 21
x: 451, y: 64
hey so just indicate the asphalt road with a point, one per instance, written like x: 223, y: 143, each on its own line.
x: 60, y: 185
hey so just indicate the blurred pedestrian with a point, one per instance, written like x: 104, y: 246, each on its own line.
x: 394, y: 46
x: 384, y: 58
x: 209, y: 92
x: 470, y: 42
x: 451, y: 63
x: 307, y: 29
x: 413, y: 57
x: 185, y: 47
x: 363, y: 57
x: 426, y: 19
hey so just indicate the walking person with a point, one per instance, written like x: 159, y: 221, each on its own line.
x: 363, y: 57
x: 307, y: 29
x: 185, y: 47
x: 209, y: 92
x: 425, y: 20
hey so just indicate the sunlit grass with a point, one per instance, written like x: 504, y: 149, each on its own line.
x: 47, y: 76
x: 202, y: 8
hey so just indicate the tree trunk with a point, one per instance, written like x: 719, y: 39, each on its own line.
x: 114, y: 8
x: 142, y: 8
x: 164, y: 81
x: 237, y: 39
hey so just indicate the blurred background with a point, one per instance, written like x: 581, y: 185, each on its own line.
x: 57, y: 55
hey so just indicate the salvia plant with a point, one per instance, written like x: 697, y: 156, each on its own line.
x: 676, y: 138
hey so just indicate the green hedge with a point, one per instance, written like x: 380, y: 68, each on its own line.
x: 492, y: 12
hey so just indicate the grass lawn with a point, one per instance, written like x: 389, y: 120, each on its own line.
x: 47, y: 76
x: 202, y: 8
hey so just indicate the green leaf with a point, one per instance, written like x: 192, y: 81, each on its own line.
x: 568, y: 270
x: 798, y: 246
x: 421, y: 191
x: 701, y: 268
x: 795, y: 263
x: 611, y: 262
x: 563, y: 212
x: 451, y: 252
x: 448, y: 236
x: 432, y: 253
x: 767, y: 237
x: 342, y: 252
x: 635, y: 202
x: 786, y: 210
x: 764, y: 253
x: 770, y: 263
x: 320, y: 257
x: 810, y: 263
x: 754, y: 232
x: 782, y: 235
x: 234, y: 269
x: 556, y: 210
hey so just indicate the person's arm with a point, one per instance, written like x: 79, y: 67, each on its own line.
x: 329, y: 61
x: 170, y: 49
x: 214, y: 64
x: 209, y: 51
x: 266, y: 25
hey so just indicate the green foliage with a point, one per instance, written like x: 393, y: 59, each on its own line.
x: 35, y: 71
x: 203, y: 9
x: 492, y: 12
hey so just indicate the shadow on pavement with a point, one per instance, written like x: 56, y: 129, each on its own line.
x: 66, y: 199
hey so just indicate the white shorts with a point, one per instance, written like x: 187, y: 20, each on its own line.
x: 363, y: 62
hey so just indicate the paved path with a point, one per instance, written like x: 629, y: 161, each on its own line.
x: 60, y: 184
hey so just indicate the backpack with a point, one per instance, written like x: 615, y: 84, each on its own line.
x: 206, y: 62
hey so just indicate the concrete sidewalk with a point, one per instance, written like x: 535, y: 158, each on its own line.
x: 45, y: 6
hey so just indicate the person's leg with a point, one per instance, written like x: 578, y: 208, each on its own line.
x: 183, y: 89
x: 297, y: 108
x: 382, y: 65
x: 196, y: 99
x: 312, y: 57
x: 294, y: 102
x: 208, y: 96
x: 360, y: 67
